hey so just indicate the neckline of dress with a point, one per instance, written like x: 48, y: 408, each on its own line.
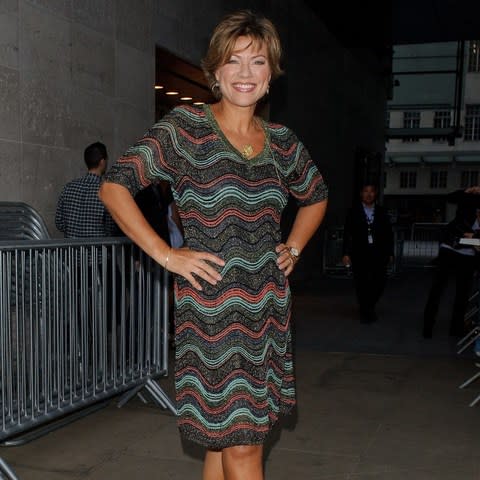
x: 216, y: 127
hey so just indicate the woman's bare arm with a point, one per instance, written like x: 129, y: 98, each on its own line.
x: 129, y: 218
x: 306, y: 223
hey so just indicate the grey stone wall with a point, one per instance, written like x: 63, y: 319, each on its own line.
x: 71, y: 72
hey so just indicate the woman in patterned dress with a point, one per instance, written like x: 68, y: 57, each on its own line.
x: 231, y: 174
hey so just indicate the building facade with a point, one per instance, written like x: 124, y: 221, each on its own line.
x: 433, y: 129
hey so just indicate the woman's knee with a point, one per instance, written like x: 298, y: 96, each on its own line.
x: 244, y: 453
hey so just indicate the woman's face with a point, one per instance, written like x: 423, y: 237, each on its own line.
x: 245, y: 76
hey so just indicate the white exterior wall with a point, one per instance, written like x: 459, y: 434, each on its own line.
x: 425, y: 149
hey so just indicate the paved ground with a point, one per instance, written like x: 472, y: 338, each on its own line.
x: 376, y: 402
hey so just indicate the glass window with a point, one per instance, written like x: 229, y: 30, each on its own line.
x: 438, y: 179
x: 411, y: 120
x: 408, y: 179
x: 474, y: 56
x: 472, y: 122
x: 468, y: 178
x: 442, y: 119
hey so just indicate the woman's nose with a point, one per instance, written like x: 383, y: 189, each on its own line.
x: 245, y: 70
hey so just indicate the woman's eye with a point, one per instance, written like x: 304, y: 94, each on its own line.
x: 259, y: 62
x: 232, y: 60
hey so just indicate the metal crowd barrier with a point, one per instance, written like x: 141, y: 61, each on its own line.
x: 333, y: 253
x: 472, y: 318
x: 80, y: 322
x: 21, y: 221
x: 421, y: 244
x: 416, y: 246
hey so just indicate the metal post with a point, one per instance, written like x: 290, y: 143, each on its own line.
x: 4, y: 468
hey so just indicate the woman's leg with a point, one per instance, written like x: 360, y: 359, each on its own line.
x: 243, y: 462
x: 212, y: 467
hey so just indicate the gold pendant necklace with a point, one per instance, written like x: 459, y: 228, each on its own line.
x: 247, y: 151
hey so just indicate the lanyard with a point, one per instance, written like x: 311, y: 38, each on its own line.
x: 370, y: 214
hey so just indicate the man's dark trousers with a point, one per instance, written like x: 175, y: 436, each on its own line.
x: 450, y: 264
x: 370, y: 275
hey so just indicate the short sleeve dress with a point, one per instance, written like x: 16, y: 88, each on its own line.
x: 233, y: 360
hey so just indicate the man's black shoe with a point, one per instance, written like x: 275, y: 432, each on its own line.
x: 427, y: 332
x: 368, y: 317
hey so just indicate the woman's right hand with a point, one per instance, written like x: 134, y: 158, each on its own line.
x: 192, y: 265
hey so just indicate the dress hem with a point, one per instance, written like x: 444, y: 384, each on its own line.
x: 242, y: 437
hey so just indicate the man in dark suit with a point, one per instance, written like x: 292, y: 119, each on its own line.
x: 455, y: 261
x: 368, y: 248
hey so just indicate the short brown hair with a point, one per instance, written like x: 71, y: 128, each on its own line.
x: 240, y: 24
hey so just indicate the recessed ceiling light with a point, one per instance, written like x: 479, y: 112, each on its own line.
x: 158, y: 87
x: 185, y: 98
x: 171, y: 92
x: 199, y: 103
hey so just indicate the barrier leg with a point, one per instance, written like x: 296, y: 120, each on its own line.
x: 6, y: 470
x: 129, y: 395
x: 475, y: 401
x: 473, y: 332
x: 142, y: 398
x: 471, y: 379
x: 470, y: 338
x: 154, y: 389
x: 157, y: 392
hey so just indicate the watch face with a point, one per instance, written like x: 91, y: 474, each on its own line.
x: 294, y: 252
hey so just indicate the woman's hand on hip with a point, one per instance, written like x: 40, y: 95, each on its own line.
x: 194, y: 265
x: 285, y: 260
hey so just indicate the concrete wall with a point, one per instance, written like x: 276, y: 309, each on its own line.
x: 71, y: 73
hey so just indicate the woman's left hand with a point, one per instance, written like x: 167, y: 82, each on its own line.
x: 285, y: 260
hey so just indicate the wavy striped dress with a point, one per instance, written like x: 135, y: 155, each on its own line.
x: 233, y: 368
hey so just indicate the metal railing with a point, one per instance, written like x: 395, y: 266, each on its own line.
x: 415, y: 246
x: 421, y: 244
x: 21, y: 221
x: 471, y: 339
x: 80, y: 322
x: 333, y: 252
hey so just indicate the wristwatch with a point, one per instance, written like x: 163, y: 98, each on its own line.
x: 294, y: 253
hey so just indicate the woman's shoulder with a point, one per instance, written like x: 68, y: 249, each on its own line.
x: 183, y: 114
x: 282, y: 136
x: 278, y: 130
x: 184, y: 119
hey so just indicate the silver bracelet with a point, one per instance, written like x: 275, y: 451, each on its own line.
x: 167, y: 259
